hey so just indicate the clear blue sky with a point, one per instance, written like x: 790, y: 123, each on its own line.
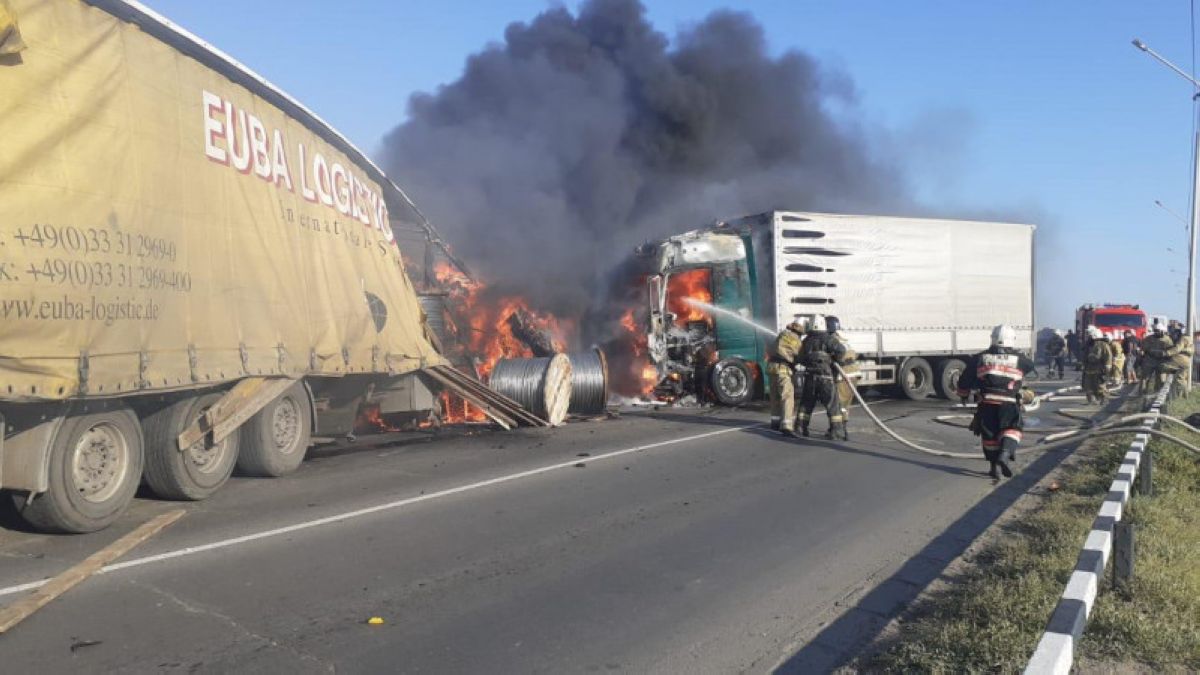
x: 1037, y: 109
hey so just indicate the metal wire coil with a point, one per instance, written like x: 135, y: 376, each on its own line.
x: 434, y: 306
x: 540, y: 385
x: 589, y: 382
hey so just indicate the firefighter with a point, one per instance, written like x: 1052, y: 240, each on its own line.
x: 1097, y: 364
x: 1180, y: 356
x: 1117, y: 375
x: 1154, y: 365
x: 1132, y: 348
x: 781, y: 369
x: 849, y: 364
x: 1056, y: 350
x: 997, y: 374
x: 818, y: 354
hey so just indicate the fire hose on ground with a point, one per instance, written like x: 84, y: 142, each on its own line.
x: 1076, y: 435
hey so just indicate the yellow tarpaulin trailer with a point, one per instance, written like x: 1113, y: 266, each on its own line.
x: 163, y: 225
x: 172, y: 225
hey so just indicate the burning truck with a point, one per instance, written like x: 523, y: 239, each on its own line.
x: 915, y: 298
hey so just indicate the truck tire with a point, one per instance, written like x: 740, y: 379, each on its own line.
x: 194, y: 473
x: 276, y: 438
x: 732, y: 381
x: 914, y: 378
x: 95, y: 469
x: 945, y: 379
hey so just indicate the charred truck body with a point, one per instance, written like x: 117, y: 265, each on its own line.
x: 198, y: 270
x: 915, y: 297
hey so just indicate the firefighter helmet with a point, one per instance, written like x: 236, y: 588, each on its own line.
x: 1094, y: 333
x: 1004, y: 336
x: 832, y: 324
x: 817, y: 323
x: 799, y: 325
x: 1158, y: 326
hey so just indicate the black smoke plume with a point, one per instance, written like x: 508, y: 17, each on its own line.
x: 584, y: 134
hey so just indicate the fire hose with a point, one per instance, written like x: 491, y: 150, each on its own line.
x: 1075, y: 437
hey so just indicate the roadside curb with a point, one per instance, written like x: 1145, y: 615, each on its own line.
x: 1055, y: 652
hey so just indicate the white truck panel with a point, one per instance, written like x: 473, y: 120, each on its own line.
x: 906, y: 285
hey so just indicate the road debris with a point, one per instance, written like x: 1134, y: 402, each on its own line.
x: 20, y: 610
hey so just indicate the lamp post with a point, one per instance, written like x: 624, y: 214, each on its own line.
x: 1191, y: 282
x: 1178, y: 217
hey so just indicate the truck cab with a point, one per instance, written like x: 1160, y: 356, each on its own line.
x: 1112, y: 320
x: 702, y: 301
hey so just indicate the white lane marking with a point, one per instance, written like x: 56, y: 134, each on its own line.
x: 226, y: 543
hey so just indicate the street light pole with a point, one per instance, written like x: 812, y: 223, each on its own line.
x: 1178, y: 217
x: 1191, y: 287
x: 1191, y: 282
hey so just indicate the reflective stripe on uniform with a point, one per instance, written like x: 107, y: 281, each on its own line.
x: 1003, y: 371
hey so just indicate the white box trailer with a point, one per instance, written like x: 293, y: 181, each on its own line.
x: 906, y: 286
x: 915, y: 296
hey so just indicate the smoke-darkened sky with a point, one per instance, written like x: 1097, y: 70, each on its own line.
x: 1031, y: 110
x: 584, y: 133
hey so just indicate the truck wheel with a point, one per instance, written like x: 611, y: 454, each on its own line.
x: 945, y: 381
x: 95, y: 468
x: 732, y: 381
x: 194, y: 473
x: 275, y: 439
x: 914, y: 378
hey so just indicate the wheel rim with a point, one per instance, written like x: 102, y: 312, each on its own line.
x: 914, y: 379
x: 733, y: 382
x: 285, y: 425
x: 952, y: 379
x: 206, y: 457
x: 99, y: 462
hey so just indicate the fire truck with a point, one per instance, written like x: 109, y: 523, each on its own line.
x: 1112, y: 320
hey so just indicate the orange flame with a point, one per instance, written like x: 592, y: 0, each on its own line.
x: 641, y: 371
x: 370, y: 420
x: 692, y: 284
x: 480, y: 325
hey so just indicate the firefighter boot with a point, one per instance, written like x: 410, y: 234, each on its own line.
x: 836, y: 430
x: 992, y: 456
x: 788, y: 431
x: 845, y: 429
x: 1004, y: 469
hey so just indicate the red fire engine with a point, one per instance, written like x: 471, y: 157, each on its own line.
x: 1112, y: 320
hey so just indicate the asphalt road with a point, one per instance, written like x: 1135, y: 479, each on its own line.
x: 669, y: 541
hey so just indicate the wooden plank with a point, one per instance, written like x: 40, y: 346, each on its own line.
x: 463, y: 383
x: 508, y: 403
x: 510, y: 407
x: 247, y: 397
x: 20, y: 610
x: 474, y: 393
x: 497, y: 417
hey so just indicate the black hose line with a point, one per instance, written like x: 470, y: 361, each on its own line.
x: 1075, y: 437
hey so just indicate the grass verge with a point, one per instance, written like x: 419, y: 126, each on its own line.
x: 991, y: 613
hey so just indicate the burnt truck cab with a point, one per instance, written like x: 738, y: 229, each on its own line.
x: 704, y: 349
